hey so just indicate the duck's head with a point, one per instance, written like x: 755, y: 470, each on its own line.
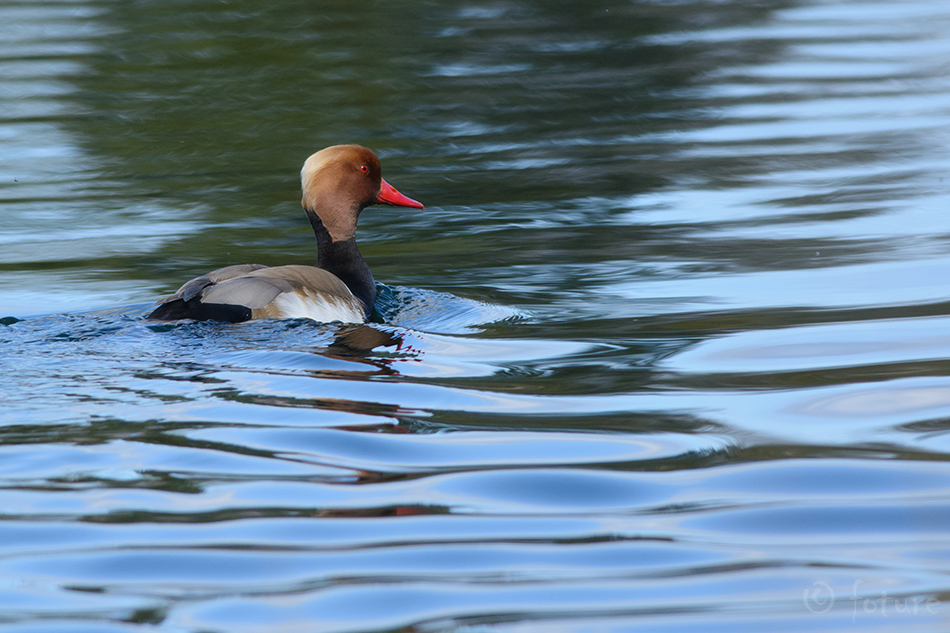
x: 339, y: 182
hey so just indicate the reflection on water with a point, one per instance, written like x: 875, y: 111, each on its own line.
x: 666, y: 349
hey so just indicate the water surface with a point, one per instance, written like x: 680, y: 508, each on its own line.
x: 666, y: 350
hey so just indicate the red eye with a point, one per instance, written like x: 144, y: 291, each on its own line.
x: 364, y: 169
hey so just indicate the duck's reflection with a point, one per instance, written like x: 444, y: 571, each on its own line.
x: 372, y: 345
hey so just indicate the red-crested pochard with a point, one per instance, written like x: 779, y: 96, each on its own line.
x: 338, y: 183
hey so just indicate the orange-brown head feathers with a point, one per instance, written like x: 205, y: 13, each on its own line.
x: 340, y: 181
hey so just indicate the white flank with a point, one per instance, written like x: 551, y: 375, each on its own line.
x: 319, y: 307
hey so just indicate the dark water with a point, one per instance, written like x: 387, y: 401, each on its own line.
x: 667, y: 350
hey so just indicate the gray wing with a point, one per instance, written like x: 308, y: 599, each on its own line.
x: 248, y: 291
x: 255, y: 285
x: 254, y: 292
x: 193, y: 288
x: 313, y: 279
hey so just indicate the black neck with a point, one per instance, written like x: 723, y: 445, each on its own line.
x: 343, y: 259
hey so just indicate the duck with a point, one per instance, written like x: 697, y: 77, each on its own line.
x: 337, y: 183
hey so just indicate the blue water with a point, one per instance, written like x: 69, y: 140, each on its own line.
x: 667, y: 349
